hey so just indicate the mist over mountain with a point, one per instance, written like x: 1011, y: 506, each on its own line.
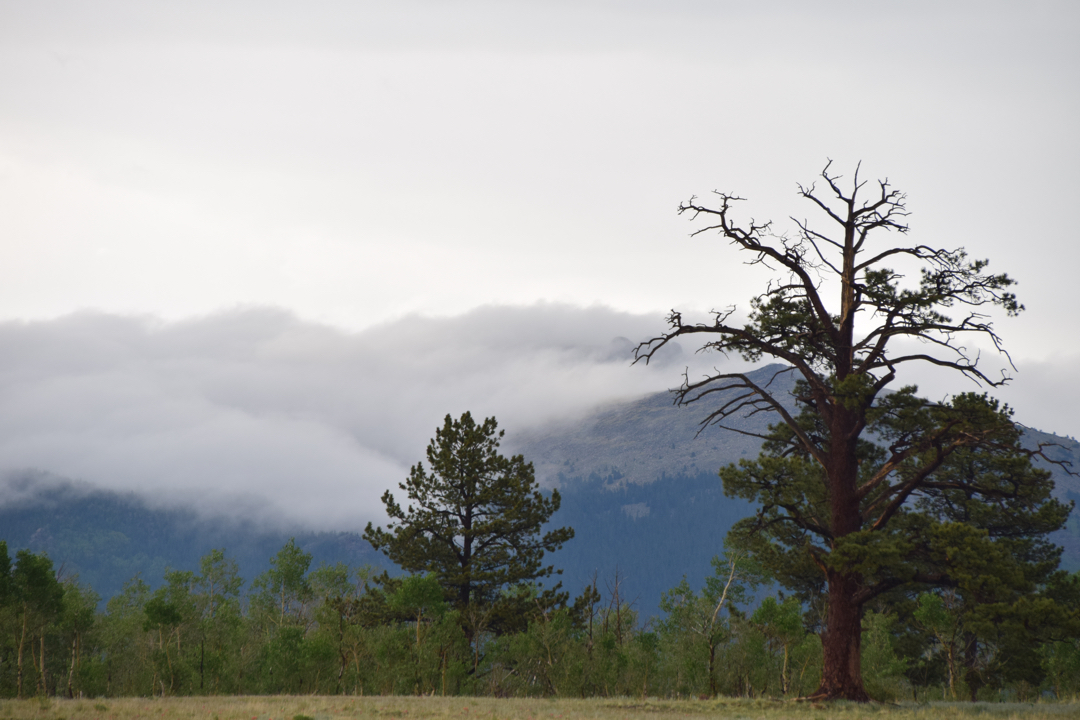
x: 256, y: 412
x: 651, y: 439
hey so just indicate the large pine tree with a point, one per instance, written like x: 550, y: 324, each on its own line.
x: 838, y: 509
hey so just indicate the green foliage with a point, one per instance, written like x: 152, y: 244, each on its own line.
x: 218, y: 627
x: 6, y: 589
x: 883, y: 670
x: 283, y: 592
x: 38, y: 599
x: 124, y: 643
x: 417, y: 594
x: 697, y: 626
x: 1061, y: 661
x: 546, y: 660
x: 362, y: 633
x: 781, y: 625
x: 78, y: 631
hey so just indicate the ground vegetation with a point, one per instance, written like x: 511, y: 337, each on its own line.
x: 353, y: 631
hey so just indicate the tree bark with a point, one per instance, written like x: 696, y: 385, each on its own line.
x: 841, y: 643
x: 842, y: 639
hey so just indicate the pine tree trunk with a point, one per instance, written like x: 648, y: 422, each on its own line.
x: 841, y: 677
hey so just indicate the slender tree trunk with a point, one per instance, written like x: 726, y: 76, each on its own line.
x: 971, y: 671
x: 784, y: 673
x: 950, y: 657
x: 168, y: 660
x: 342, y: 656
x: 41, y: 681
x: 22, y: 644
x: 712, y: 669
x: 71, y: 669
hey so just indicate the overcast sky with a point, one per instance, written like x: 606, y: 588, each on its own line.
x: 194, y: 178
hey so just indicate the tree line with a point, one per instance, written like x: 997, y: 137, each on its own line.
x: 338, y: 630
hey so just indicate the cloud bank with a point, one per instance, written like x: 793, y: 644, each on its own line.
x: 258, y: 412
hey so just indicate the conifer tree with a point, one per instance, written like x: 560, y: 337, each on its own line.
x: 837, y: 509
x: 474, y: 520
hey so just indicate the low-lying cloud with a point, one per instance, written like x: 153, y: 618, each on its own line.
x: 259, y: 412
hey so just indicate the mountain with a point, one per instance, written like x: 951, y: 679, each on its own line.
x: 638, y: 483
x: 648, y: 440
x: 106, y: 538
x: 1065, y: 454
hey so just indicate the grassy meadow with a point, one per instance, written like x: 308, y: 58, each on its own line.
x: 295, y: 707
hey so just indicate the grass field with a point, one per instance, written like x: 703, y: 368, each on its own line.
x: 461, y: 708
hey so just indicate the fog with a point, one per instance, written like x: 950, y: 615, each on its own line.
x: 258, y: 412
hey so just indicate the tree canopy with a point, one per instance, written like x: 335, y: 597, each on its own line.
x: 857, y: 481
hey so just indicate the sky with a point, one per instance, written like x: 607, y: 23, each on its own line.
x: 248, y: 249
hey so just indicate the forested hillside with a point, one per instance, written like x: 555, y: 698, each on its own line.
x: 106, y: 538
